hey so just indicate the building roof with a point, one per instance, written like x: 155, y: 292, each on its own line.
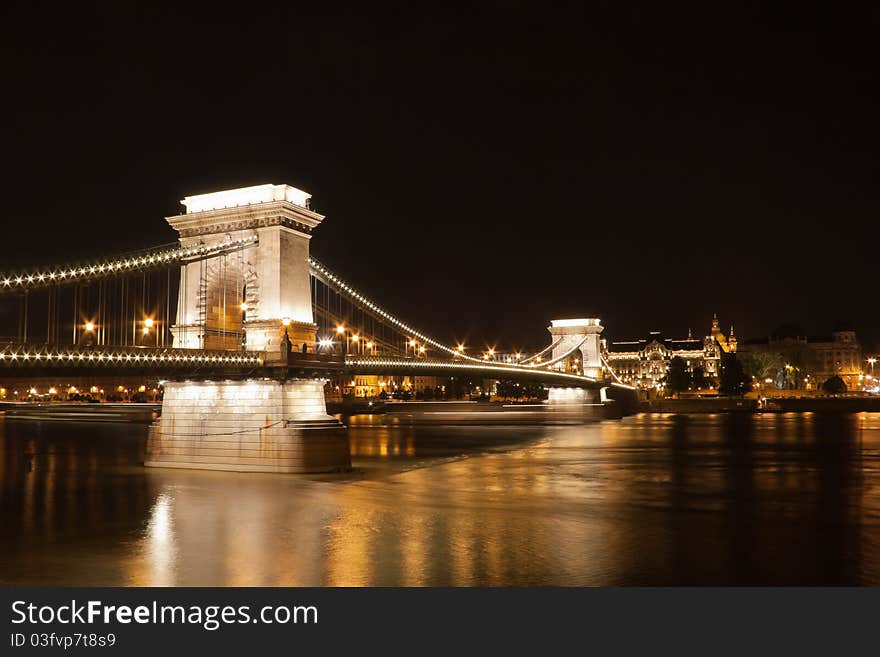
x: 632, y: 346
x: 691, y: 344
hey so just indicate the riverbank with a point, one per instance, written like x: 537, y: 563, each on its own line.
x: 768, y: 405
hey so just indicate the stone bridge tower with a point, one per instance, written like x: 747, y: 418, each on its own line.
x: 272, y: 422
x: 252, y: 292
x: 582, y: 335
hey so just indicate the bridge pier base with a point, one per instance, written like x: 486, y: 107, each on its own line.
x: 572, y: 396
x: 248, y: 426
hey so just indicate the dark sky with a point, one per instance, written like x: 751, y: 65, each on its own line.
x: 482, y: 170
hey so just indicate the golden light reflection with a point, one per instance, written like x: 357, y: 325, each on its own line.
x: 160, y: 542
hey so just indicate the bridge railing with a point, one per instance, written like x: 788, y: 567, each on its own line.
x: 447, y: 367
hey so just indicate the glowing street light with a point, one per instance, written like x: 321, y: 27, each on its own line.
x: 90, y: 327
x: 148, y: 323
x: 340, y: 329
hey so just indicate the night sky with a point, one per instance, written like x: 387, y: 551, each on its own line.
x: 482, y: 170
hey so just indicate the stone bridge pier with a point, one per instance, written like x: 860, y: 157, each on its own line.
x: 257, y: 299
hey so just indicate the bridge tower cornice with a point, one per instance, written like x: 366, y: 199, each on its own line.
x: 249, y: 217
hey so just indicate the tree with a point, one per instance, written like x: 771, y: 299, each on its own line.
x: 761, y: 364
x: 732, y: 380
x: 677, y: 378
x: 799, y: 363
x: 698, y: 378
x: 834, y: 386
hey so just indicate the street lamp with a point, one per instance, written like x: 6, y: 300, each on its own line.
x: 90, y: 327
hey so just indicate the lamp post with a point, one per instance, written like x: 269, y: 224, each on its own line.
x: 90, y: 334
x: 340, y: 331
x: 149, y: 323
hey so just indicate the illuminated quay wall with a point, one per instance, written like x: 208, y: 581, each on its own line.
x: 247, y: 426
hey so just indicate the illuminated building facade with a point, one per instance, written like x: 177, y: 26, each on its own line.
x: 644, y: 363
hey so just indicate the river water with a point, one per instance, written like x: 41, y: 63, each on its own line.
x: 649, y: 500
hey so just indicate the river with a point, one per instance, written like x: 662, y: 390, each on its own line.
x: 650, y: 500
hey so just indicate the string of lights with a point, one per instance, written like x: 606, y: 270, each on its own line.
x: 543, y: 351
x: 329, y: 278
x: 28, y: 355
x: 119, y: 265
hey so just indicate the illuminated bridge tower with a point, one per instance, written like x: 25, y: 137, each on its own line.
x: 253, y: 291
x: 272, y: 422
x: 577, y: 346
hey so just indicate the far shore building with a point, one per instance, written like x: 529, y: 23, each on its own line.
x: 839, y: 354
x: 644, y: 363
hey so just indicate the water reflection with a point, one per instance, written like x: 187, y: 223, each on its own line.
x: 653, y: 499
